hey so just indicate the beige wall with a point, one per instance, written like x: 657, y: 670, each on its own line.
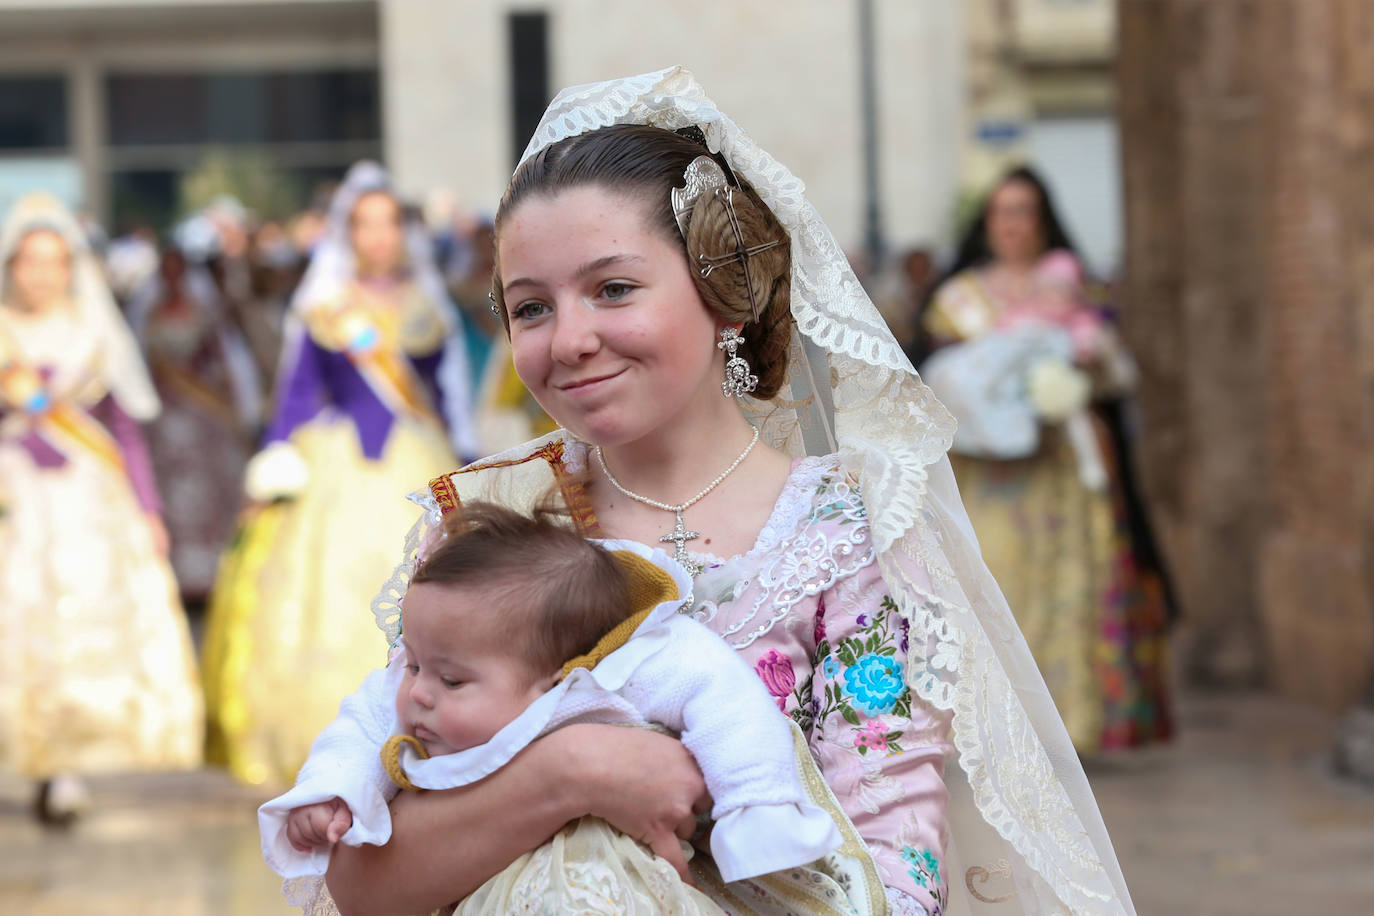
x: 787, y: 71
x: 444, y: 97
x: 1052, y: 30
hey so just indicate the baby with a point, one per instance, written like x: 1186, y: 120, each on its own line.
x: 1059, y: 392
x: 1059, y: 300
x: 513, y: 626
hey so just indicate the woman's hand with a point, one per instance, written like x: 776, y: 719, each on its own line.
x: 642, y: 783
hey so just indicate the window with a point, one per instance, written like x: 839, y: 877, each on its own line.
x: 529, y: 76
x: 243, y: 108
x: 33, y: 113
x: 268, y: 137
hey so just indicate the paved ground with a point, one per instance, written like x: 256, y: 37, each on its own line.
x: 1239, y: 817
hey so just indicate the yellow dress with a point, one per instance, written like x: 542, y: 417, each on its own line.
x: 1047, y: 538
x: 507, y: 414
x: 290, y: 630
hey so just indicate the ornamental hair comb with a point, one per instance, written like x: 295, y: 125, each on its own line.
x: 704, y: 175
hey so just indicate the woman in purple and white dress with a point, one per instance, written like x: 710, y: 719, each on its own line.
x: 371, y: 397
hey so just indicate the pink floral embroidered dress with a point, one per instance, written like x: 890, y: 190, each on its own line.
x: 808, y: 609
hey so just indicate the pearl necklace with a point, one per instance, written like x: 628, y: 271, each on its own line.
x: 680, y: 535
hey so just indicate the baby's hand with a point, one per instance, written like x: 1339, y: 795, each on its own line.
x: 316, y: 826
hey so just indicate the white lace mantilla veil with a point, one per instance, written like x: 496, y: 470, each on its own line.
x: 1026, y: 834
x: 332, y: 267
x: 121, y: 364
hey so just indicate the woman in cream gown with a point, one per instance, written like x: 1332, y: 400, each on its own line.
x: 1050, y: 510
x: 97, y: 672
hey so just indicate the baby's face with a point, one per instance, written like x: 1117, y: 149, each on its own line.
x: 461, y: 685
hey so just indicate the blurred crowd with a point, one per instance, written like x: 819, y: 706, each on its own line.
x: 207, y: 299
x: 216, y: 389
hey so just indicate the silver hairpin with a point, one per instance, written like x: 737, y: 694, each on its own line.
x: 704, y: 175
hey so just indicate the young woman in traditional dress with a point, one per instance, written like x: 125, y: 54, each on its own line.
x: 97, y: 672
x: 726, y: 388
x: 211, y: 412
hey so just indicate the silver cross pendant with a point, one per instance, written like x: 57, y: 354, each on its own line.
x: 680, y: 535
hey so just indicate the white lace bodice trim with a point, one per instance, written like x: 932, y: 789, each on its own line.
x: 816, y: 536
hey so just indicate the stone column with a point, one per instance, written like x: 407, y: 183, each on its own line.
x: 1191, y: 108
x: 1354, y: 753
x: 86, y: 134
x: 1315, y: 594
x: 1249, y: 278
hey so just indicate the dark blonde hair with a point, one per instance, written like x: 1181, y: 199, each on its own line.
x: 553, y: 593
x: 647, y: 163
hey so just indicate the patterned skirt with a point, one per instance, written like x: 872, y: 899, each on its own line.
x: 590, y: 869
x: 1062, y: 555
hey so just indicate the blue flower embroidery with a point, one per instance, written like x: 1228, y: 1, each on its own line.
x: 830, y: 667
x: 875, y: 683
x: 931, y: 863
x: 925, y: 869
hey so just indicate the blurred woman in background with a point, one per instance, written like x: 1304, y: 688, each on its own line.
x: 97, y: 672
x: 211, y: 411
x: 373, y: 380
x: 1021, y: 354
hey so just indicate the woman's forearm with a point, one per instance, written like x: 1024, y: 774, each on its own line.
x: 444, y: 845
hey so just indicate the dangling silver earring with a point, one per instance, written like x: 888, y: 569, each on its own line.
x: 738, y: 382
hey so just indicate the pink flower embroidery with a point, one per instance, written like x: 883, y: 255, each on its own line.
x: 775, y: 670
x: 872, y: 736
x: 819, y: 633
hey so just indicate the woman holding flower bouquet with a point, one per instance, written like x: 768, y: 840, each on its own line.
x: 1020, y: 356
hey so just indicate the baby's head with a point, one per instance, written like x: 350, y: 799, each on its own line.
x: 490, y: 617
